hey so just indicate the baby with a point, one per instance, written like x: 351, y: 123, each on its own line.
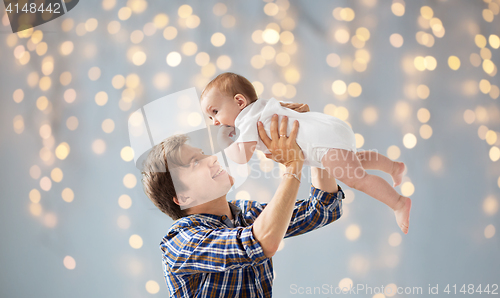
x: 326, y: 141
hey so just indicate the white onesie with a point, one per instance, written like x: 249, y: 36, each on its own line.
x: 317, y: 131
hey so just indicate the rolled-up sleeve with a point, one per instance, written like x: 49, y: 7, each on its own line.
x: 319, y: 210
x: 202, y: 250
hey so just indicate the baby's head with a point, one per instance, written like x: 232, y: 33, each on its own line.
x: 225, y: 96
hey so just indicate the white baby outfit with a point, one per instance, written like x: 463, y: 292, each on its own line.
x: 318, y: 132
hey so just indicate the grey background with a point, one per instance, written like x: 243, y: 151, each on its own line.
x: 445, y: 245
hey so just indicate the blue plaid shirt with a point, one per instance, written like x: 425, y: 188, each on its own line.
x: 206, y: 255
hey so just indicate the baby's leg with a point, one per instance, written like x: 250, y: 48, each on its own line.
x: 371, y: 160
x: 345, y: 166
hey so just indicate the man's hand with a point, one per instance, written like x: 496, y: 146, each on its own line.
x: 284, y: 150
x: 297, y: 107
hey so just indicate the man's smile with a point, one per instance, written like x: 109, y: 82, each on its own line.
x: 221, y: 170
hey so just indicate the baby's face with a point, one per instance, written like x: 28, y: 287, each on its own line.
x: 221, y: 109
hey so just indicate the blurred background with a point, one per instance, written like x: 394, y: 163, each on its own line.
x: 417, y: 81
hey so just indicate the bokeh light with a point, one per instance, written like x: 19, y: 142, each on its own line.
x: 125, y: 201
x: 69, y: 95
x: 68, y: 195
x: 409, y: 140
x: 354, y: 89
x: 35, y: 196
x: 108, y: 126
x: 345, y: 284
x: 62, y: 150
x: 489, y: 231
x: 393, y: 152
x: 69, y: 262
x: 123, y: 222
x: 425, y: 131
x: 50, y: 220
x: 72, y: 123
x: 396, y: 40
x: 45, y: 183
x: 56, y: 174
x: 490, y: 205
x: 135, y: 241
x: 353, y: 232
x: 101, y: 98
x: 423, y: 115
x: 99, y: 146
x: 494, y: 153
x: 454, y: 62
x: 170, y: 33
x: 395, y: 239
x: 35, y: 172
x: 391, y: 290
x: 174, y: 59
x: 407, y: 189
x: 218, y: 39
x: 398, y: 9
x: 360, y: 140
x: 129, y: 181
x: 152, y: 287
x: 270, y: 36
x: 339, y: 87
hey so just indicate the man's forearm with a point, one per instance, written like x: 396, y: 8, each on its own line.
x: 271, y: 225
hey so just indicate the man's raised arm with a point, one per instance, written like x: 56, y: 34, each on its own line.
x: 271, y: 225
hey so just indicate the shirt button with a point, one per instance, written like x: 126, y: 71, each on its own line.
x: 223, y: 217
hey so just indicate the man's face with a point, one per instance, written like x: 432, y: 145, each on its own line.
x: 221, y: 109
x: 202, y: 175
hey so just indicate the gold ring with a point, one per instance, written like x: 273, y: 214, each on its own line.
x: 282, y: 136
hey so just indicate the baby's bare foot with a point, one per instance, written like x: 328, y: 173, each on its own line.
x: 397, y: 173
x: 403, y: 213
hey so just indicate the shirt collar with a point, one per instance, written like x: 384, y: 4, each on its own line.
x: 207, y: 219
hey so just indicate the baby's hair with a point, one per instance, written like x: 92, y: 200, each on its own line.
x: 231, y: 84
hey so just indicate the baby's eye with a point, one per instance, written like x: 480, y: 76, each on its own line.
x: 210, y: 118
x: 196, y: 162
x: 215, y: 112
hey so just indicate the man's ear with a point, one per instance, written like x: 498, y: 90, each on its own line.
x: 183, y: 200
x: 241, y: 100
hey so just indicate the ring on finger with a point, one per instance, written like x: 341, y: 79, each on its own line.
x: 282, y: 136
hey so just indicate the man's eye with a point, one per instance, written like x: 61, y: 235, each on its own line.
x: 196, y: 162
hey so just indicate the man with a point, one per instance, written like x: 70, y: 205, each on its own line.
x: 224, y: 249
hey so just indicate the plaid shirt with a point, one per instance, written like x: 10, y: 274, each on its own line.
x: 206, y: 255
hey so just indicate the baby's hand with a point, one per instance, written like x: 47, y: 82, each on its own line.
x: 225, y: 134
x: 297, y: 107
x: 226, y: 130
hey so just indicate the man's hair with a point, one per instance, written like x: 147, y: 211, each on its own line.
x: 231, y: 84
x: 158, y: 180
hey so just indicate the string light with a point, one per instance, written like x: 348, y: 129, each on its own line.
x: 352, y: 232
x: 276, y: 44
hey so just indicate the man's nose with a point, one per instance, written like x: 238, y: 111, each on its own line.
x: 212, y: 159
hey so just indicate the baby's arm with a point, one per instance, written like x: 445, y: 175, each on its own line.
x: 240, y: 153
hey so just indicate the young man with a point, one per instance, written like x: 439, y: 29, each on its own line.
x: 218, y: 248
